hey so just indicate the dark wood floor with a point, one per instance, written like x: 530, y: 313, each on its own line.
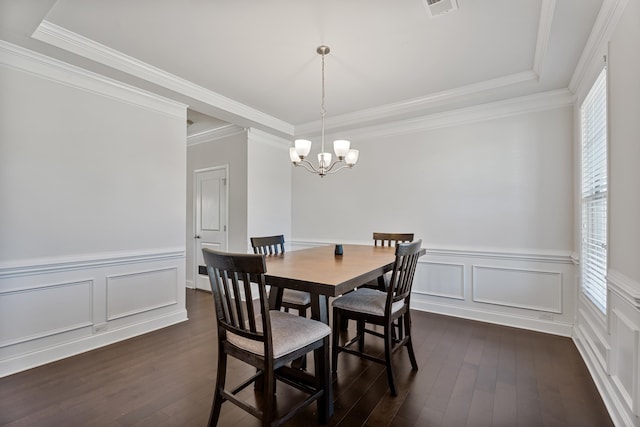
x: 471, y: 374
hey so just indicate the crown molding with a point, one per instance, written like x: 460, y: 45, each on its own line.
x: 265, y: 137
x: 62, y: 38
x: 544, y: 31
x: 413, y: 106
x: 214, y: 134
x: 491, y: 111
x: 22, y: 59
x: 607, y: 18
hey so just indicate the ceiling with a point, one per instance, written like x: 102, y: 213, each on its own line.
x: 254, y: 62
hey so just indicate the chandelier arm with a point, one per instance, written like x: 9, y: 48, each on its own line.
x: 308, y: 166
x: 335, y: 162
x: 339, y: 169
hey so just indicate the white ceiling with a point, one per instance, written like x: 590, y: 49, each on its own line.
x: 254, y: 62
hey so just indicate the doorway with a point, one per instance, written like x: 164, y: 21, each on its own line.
x: 210, y: 217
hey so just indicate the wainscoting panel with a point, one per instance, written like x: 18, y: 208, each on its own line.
x: 35, y: 313
x: 133, y: 293
x: 617, y: 335
x: 533, y: 290
x: 521, y: 288
x: 55, y: 308
x: 440, y: 279
x: 624, y: 369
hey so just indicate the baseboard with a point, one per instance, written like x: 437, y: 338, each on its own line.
x: 614, y: 406
x: 64, y: 350
x: 538, y: 325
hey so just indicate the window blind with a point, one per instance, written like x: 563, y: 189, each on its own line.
x: 594, y: 193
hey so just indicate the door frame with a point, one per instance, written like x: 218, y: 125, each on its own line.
x: 194, y: 230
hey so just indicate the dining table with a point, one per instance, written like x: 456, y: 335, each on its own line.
x: 324, y: 273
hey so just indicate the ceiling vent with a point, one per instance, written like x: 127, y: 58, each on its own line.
x: 440, y: 7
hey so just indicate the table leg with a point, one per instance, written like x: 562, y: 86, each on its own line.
x: 320, y: 312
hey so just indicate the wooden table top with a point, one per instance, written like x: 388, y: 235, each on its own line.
x: 318, y: 270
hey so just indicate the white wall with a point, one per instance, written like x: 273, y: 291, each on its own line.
x: 269, y: 186
x: 610, y: 343
x: 227, y: 147
x: 92, y: 183
x: 491, y: 199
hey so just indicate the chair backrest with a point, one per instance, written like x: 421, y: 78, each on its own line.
x: 391, y: 239
x: 231, y: 276
x: 269, y: 245
x: 404, y: 269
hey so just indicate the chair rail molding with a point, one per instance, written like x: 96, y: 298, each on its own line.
x: 67, y: 263
x: 625, y: 287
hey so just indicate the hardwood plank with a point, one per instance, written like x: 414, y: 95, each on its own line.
x: 470, y: 373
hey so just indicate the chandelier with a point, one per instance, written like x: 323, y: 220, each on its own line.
x: 341, y: 147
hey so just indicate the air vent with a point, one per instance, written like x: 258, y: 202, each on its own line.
x: 440, y: 7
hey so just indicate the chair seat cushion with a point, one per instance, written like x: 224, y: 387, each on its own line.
x: 366, y: 300
x: 292, y: 296
x: 290, y: 332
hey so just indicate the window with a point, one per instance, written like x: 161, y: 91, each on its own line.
x: 594, y: 193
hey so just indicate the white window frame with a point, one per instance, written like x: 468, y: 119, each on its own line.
x: 594, y: 192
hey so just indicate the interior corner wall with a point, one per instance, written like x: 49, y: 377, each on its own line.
x: 491, y: 200
x: 610, y: 342
x: 92, y: 183
x: 269, y: 186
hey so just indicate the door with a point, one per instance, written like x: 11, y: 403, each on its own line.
x: 210, y: 217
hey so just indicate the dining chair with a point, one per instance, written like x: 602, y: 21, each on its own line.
x: 291, y: 298
x: 374, y: 307
x: 387, y: 239
x: 266, y: 339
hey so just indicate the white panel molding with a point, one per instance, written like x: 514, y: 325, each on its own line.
x: 25, y: 60
x: 216, y: 134
x: 58, y: 264
x: 558, y: 257
x: 618, y: 375
x: 149, y: 283
x: 50, y: 354
x: 33, y: 292
x: 457, y: 291
x: 619, y: 415
x: 507, y: 319
x: 624, y: 287
x: 479, y: 286
x: 55, y: 35
x: 590, y: 336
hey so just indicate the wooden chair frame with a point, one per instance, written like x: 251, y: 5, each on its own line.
x: 399, y: 290
x: 274, y: 245
x: 231, y: 276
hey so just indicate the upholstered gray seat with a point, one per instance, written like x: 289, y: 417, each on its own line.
x: 289, y: 333
x: 366, y: 300
x: 298, y: 298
